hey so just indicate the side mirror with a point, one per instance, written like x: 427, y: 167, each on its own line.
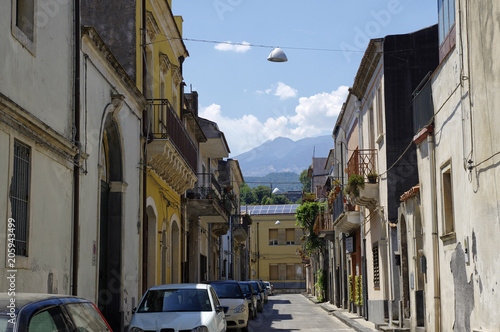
x: 134, y: 310
x: 222, y: 307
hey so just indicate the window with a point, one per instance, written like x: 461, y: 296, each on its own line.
x: 446, y: 26
x: 273, y: 272
x: 19, y: 195
x: 48, y: 320
x: 23, y: 21
x: 380, y: 113
x: 290, y: 236
x: 447, y: 193
x: 376, y: 272
x: 273, y: 237
x: 86, y: 317
x: 290, y: 271
x: 371, y: 128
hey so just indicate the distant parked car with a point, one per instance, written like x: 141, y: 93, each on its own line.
x: 49, y: 312
x: 179, y: 307
x: 231, y: 295
x: 263, y: 286
x: 260, y: 298
x: 251, y: 297
x: 269, y: 287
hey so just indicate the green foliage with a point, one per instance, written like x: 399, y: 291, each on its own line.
x: 260, y: 196
x: 351, y: 296
x: 353, y: 184
x: 306, y: 216
x: 359, y: 290
x: 306, y: 181
x: 320, y: 285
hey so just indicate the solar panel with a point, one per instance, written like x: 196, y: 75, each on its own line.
x: 269, y: 209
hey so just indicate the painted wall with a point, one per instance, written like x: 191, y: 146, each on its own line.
x: 30, y: 71
x: 274, y: 254
x: 465, y: 130
x: 99, y: 82
x: 38, y: 104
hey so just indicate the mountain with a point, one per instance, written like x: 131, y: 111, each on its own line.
x: 283, y: 155
x: 284, y: 181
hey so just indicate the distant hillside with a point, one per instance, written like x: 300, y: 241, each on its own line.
x: 285, y: 181
x: 283, y: 155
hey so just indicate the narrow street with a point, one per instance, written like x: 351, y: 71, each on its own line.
x: 294, y: 312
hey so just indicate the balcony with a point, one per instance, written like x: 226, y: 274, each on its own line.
x: 308, y: 197
x: 368, y: 196
x: 362, y: 162
x: 325, y: 225
x: 348, y: 221
x: 240, y: 228
x: 207, y: 201
x: 171, y: 152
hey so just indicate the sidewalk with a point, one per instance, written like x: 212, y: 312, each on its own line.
x: 352, y: 320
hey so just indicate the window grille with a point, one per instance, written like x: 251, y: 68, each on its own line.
x: 19, y: 196
x: 376, y: 272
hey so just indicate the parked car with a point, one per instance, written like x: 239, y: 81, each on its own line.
x: 179, y: 307
x: 260, y: 292
x: 269, y: 287
x: 49, y: 312
x: 251, y: 297
x: 231, y: 295
x: 263, y: 286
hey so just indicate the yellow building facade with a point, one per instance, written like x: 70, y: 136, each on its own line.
x: 275, y: 240
x: 171, y: 151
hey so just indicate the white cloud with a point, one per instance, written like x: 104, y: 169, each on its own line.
x: 320, y: 110
x: 315, y: 115
x: 285, y: 91
x: 281, y: 90
x: 233, y: 47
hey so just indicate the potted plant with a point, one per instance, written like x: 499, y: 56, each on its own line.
x: 353, y: 184
x: 372, y: 177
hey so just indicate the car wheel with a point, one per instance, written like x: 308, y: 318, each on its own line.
x: 244, y: 329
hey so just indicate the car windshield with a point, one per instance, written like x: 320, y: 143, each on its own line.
x: 256, y: 286
x: 228, y: 290
x: 168, y: 300
x: 246, y: 288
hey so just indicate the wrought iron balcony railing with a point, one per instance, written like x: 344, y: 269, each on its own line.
x: 362, y: 162
x: 325, y: 221
x: 165, y: 124
x: 338, y: 205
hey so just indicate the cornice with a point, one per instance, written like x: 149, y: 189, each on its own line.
x: 93, y: 37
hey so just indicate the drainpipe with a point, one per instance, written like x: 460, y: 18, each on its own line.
x: 76, y: 140
x: 435, y: 240
x: 145, y: 171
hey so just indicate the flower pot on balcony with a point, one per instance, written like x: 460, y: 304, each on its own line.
x: 372, y: 177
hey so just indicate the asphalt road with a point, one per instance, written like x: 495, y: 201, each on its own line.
x: 294, y: 312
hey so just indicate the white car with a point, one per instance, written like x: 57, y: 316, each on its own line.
x: 179, y: 307
x: 231, y: 295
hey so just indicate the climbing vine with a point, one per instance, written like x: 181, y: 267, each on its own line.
x: 359, y: 290
x: 320, y: 285
x: 351, y: 299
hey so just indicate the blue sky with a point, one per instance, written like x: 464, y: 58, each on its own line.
x: 254, y: 100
